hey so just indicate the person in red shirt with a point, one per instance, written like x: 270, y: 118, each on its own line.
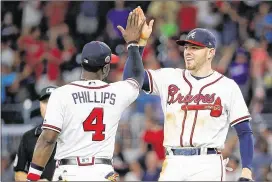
x: 153, y: 135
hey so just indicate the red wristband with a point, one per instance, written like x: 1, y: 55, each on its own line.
x: 35, y: 172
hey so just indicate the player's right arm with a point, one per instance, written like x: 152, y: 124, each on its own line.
x: 134, y: 68
x: 145, y: 34
x: 52, y: 126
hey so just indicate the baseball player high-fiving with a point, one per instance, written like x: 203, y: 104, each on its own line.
x: 83, y: 116
x: 199, y: 104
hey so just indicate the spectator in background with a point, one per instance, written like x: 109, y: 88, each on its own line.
x: 258, y: 23
x: 268, y: 28
x: 153, y: 135
x: 8, y: 29
x: 164, y: 13
x: 70, y: 68
x: 262, y: 159
x: 152, y: 171
x: 135, y: 172
x: 171, y: 58
x: 187, y: 17
x: 32, y: 14
x: 8, y: 76
x: 51, y: 58
x: 239, y: 71
x: 33, y: 49
x: 87, y: 19
x: 28, y: 142
x: 55, y: 11
x: 117, y: 16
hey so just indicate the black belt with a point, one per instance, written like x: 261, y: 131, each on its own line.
x: 77, y: 162
x: 192, y: 151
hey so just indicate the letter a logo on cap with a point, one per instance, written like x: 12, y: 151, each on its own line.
x: 192, y: 35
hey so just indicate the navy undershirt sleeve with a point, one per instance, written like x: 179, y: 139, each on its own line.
x: 245, y: 136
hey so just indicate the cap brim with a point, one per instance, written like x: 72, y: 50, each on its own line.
x: 183, y: 42
x: 44, y: 97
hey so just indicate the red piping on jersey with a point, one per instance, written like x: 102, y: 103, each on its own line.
x: 131, y: 79
x: 239, y: 119
x: 221, y: 161
x: 193, y: 127
x: 98, y: 87
x: 185, y: 115
x: 150, y: 81
x: 51, y: 126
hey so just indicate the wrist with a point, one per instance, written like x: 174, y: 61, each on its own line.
x: 142, y: 42
x: 246, y: 172
x: 132, y: 45
x: 35, y: 172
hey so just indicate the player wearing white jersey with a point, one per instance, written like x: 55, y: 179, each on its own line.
x: 199, y: 104
x: 83, y: 116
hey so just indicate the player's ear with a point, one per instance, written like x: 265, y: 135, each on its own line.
x: 211, y: 53
x: 106, y: 70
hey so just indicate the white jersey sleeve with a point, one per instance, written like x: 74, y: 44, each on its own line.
x: 155, y: 78
x: 238, y: 109
x: 54, y: 115
x: 130, y: 90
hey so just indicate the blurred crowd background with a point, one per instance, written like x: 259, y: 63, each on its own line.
x: 41, y: 43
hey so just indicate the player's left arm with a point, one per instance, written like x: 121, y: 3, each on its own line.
x: 43, y: 151
x: 245, y: 136
x: 239, y: 119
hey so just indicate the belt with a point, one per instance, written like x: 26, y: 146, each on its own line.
x: 85, y: 161
x: 192, y: 151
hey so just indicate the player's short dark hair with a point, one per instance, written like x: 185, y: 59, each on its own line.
x: 91, y: 68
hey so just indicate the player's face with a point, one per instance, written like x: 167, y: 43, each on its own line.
x: 43, y: 105
x: 195, y: 56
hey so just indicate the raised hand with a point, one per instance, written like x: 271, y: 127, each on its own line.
x: 133, y: 28
x: 147, y: 28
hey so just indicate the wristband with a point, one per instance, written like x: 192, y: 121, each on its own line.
x: 35, y: 172
x: 132, y: 44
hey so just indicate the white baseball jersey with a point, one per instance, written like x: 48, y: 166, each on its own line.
x: 197, y: 113
x: 86, y: 114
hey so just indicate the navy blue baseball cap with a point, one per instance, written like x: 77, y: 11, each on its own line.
x: 95, y: 54
x: 200, y: 37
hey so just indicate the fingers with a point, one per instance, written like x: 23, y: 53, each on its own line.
x: 150, y: 25
x: 141, y: 12
x: 129, y: 19
x: 122, y: 30
x: 137, y: 17
x: 142, y: 23
x: 132, y: 19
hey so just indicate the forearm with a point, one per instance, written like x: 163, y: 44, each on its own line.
x: 245, y: 136
x: 20, y: 176
x: 43, y: 150
x: 134, y: 67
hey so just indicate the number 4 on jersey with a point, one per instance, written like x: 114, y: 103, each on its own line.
x: 98, y: 127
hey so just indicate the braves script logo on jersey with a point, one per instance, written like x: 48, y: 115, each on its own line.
x: 174, y: 96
